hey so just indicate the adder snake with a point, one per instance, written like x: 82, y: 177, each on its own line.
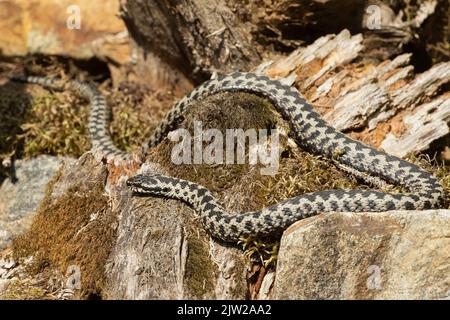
x: 310, y: 130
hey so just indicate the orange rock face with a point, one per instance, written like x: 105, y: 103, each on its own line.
x: 78, y: 28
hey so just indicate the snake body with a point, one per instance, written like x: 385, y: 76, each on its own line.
x: 312, y: 133
x: 99, y: 114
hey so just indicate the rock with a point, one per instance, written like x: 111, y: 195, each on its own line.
x: 266, y: 286
x: 19, y: 200
x: 70, y: 235
x: 49, y: 27
x: 389, y: 255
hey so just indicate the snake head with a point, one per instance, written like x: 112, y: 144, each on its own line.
x: 155, y: 184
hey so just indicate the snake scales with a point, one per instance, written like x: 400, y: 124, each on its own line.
x: 312, y: 132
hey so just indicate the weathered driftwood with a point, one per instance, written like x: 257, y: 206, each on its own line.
x: 354, y: 95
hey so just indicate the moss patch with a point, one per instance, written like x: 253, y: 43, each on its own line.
x: 35, y: 120
x: 20, y: 290
x: 222, y: 111
x: 200, y: 271
x: 437, y: 167
x: 74, y: 229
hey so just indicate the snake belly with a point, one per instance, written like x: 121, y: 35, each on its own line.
x: 311, y: 132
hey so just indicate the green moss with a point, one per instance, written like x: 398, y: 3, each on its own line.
x: 73, y: 229
x: 439, y: 169
x: 222, y: 111
x: 157, y: 234
x: 261, y: 251
x: 39, y: 121
x: 23, y: 290
x: 200, y: 271
x: 56, y: 125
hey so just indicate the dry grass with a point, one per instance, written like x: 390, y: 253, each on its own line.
x: 38, y: 121
x: 23, y: 290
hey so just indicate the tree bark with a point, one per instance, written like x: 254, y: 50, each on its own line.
x: 197, y: 36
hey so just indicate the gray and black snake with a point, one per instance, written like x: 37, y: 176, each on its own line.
x: 311, y: 131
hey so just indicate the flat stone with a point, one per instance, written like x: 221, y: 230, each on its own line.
x: 386, y: 255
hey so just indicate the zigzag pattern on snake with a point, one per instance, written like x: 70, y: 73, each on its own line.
x: 312, y: 133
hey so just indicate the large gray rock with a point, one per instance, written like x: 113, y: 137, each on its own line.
x: 390, y: 255
x: 20, y: 199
